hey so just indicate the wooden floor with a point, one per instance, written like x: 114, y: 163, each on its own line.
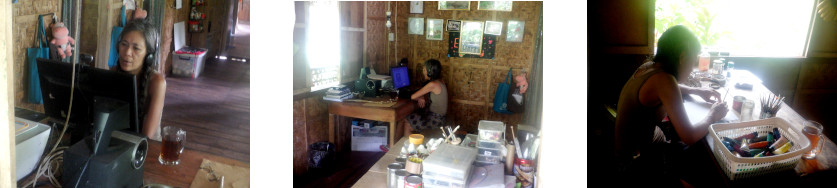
x: 214, y: 109
x: 349, y: 167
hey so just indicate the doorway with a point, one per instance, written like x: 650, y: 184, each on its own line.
x: 237, y: 48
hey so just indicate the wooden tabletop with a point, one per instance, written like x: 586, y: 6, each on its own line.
x: 180, y: 175
x: 807, y: 171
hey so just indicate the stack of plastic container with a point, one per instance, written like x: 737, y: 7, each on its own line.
x: 490, y: 144
x: 448, y: 166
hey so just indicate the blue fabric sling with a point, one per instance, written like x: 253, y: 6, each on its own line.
x: 113, y: 58
x: 502, y: 95
x: 33, y: 94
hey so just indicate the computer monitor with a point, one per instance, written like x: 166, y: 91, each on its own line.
x: 400, y: 78
x: 55, y: 78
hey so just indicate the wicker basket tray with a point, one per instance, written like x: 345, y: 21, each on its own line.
x: 747, y: 167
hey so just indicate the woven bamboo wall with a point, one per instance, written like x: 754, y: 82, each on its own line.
x: 24, y: 29
x: 471, y: 82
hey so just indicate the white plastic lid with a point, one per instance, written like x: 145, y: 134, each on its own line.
x: 449, y: 160
x: 486, y: 125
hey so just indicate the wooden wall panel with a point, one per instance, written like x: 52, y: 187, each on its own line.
x: 352, y: 51
x: 818, y: 73
x: 300, y: 138
x: 471, y: 81
x: 351, y: 14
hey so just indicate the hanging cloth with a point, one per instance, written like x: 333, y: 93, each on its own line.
x: 113, y: 58
x: 32, y: 54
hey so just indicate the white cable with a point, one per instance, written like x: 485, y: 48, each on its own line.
x: 50, y: 158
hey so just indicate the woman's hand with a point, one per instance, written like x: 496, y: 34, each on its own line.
x: 717, y: 111
x: 707, y: 94
x: 421, y: 102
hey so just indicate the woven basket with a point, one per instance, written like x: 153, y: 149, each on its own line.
x: 738, y: 168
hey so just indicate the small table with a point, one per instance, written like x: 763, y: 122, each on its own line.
x: 182, y: 174
x: 393, y: 114
x: 825, y: 162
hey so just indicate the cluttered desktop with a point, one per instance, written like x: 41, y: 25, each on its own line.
x: 96, y: 111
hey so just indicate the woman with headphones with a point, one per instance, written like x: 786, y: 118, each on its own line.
x: 438, y: 103
x: 137, y: 45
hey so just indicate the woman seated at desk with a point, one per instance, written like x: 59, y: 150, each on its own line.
x: 137, y: 45
x: 651, y: 94
x: 438, y: 103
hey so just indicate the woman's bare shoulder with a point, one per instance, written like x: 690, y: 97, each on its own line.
x: 158, y: 82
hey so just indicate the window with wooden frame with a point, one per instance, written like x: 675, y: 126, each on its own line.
x: 742, y: 27
x: 329, y: 41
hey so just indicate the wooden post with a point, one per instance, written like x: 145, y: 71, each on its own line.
x: 7, y: 137
x: 103, y: 27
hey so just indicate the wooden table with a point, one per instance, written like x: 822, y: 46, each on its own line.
x: 397, y: 112
x: 377, y: 174
x: 182, y: 174
x: 807, y: 171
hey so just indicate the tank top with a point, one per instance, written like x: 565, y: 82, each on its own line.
x: 439, y: 103
x: 635, y: 122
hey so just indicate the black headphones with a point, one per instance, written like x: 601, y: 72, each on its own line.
x: 149, y: 58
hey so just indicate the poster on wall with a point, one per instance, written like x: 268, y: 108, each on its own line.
x: 416, y: 26
x: 454, y: 5
x: 514, y: 32
x: 434, y: 29
x: 493, y: 28
x: 489, y: 42
x: 416, y: 7
x: 470, y: 41
x: 495, y: 5
x: 454, y: 25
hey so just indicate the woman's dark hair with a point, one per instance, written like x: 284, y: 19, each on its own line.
x: 434, y: 69
x: 149, y: 66
x: 674, y: 41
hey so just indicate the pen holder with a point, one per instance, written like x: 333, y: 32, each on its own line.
x: 766, y: 114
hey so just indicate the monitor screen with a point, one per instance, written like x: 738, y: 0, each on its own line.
x: 400, y: 78
x: 55, y: 78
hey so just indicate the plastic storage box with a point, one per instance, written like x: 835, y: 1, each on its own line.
x: 30, y: 143
x: 489, y: 144
x: 492, y: 130
x: 429, y: 181
x: 490, y: 151
x: 488, y: 159
x: 370, y: 139
x: 747, y: 167
x: 451, y: 162
x: 186, y: 64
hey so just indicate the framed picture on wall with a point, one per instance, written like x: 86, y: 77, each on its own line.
x: 454, y: 25
x: 495, y: 5
x: 454, y: 5
x: 493, y: 28
x: 416, y: 7
x: 514, y: 31
x: 470, y: 39
x: 434, y: 29
x: 416, y: 26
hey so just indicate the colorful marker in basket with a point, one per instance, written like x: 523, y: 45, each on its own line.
x: 777, y: 144
x: 784, y: 148
x: 748, y: 136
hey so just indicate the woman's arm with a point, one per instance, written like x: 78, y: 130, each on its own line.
x: 704, y: 93
x: 669, y: 94
x: 156, y: 94
x: 424, y: 90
